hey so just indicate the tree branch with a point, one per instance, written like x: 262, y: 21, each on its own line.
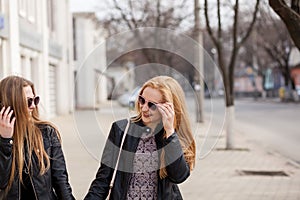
x: 208, y: 27
x: 251, y: 24
x: 296, y: 6
x: 290, y: 17
x: 122, y: 14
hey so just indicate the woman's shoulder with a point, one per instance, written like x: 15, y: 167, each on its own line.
x: 120, y: 124
x: 47, y: 128
x: 49, y: 133
x: 121, y: 121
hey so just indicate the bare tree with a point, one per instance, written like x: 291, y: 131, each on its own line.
x: 238, y: 37
x: 290, y: 15
x: 277, y: 45
x: 269, y: 50
x: 130, y: 15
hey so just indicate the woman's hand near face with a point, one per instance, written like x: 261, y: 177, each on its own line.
x: 6, y: 125
x: 167, y: 112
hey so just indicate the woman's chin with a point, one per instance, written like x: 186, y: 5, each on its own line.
x: 146, y: 119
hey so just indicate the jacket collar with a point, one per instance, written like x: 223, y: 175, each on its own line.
x: 138, y: 128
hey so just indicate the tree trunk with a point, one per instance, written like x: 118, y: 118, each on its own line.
x: 290, y: 17
x: 229, y: 112
x: 228, y: 70
x: 229, y: 127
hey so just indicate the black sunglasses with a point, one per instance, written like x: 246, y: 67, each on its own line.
x: 151, y: 105
x: 35, y: 100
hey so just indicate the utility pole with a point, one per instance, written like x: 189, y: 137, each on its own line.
x: 199, y: 84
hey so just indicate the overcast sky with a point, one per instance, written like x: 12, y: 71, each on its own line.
x: 83, y: 5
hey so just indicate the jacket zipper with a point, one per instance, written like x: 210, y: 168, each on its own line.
x: 31, y: 181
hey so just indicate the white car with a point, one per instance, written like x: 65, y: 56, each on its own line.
x: 129, y: 98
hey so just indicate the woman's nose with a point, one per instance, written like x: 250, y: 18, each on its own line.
x: 145, y: 107
x: 32, y: 106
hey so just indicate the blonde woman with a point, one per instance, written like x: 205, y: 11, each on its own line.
x: 158, y: 151
x: 32, y: 164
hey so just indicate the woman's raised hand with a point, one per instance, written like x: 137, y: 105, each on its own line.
x: 167, y: 112
x: 6, y: 123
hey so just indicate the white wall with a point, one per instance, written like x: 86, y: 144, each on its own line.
x: 27, y: 49
x: 90, y: 83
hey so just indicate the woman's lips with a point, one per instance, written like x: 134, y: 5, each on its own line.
x: 146, y: 115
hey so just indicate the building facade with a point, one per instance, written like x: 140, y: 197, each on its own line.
x: 90, y: 61
x: 36, y: 43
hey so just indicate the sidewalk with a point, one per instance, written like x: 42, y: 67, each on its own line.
x: 218, y: 176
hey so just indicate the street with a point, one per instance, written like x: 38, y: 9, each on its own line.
x: 271, y: 124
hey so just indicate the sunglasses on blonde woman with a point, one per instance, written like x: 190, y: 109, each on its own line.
x: 34, y: 100
x: 151, y: 105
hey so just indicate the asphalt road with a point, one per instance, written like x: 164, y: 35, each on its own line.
x: 273, y: 124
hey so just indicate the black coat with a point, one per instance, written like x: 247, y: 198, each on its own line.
x: 49, y: 186
x: 177, y: 168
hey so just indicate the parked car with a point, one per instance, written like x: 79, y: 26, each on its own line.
x: 129, y: 98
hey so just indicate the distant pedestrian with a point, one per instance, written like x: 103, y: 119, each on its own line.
x: 158, y: 151
x: 32, y: 164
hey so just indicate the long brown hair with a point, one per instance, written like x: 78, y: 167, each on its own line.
x: 26, y: 127
x: 172, y: 92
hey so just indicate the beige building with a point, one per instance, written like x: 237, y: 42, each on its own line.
x: 36, y: 42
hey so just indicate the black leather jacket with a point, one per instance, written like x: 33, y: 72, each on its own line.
x: 177, y: 168
x: 49, y: 186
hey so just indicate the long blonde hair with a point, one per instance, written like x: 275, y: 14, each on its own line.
x: 172, y: 92
x: 25, y: 128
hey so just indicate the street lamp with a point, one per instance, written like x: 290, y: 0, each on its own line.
x: 214, y: 71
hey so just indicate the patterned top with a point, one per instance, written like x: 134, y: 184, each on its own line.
x: 143, y: 183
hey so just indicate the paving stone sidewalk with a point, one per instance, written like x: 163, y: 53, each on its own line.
x: 248, y: 172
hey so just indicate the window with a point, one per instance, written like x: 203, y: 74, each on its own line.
x: 50, y: 10
x: 1, y: 6
x: 27, y: 10
x: 33, y: 68
x: 74, y: 39
x: 22, y: 8
x: 31, y: 10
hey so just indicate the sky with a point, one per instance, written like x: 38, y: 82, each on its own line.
x: 83, y: 5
